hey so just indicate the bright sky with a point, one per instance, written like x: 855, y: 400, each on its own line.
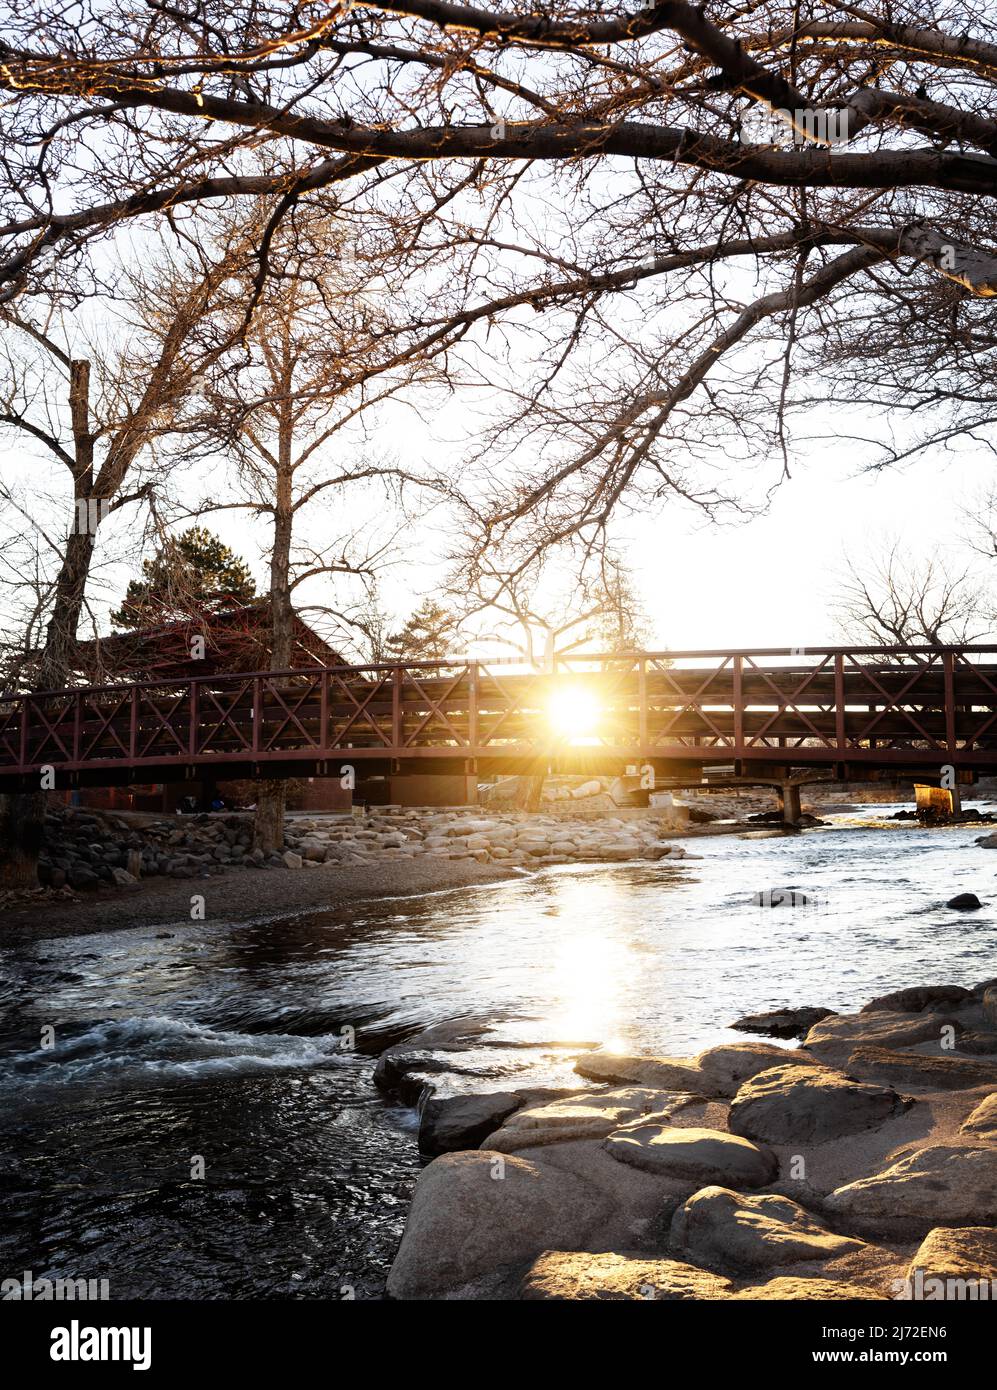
x: 768, y: 581
x: 765, y: 582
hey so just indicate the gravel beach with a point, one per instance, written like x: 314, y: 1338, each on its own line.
x: 240, y: 893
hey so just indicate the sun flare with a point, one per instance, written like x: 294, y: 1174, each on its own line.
x: 572, y: 712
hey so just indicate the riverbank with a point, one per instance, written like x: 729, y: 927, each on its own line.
x: 861, y: 1165
x: 238, y: 894
x: 105, y: 871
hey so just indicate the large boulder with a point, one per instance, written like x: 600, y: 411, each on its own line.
x: 717, y: 1072
x: 640, y: 1203
x: 462, y: 1122
x: 561, y: 1274
x: 937, y: 1184
x: 80, y: 877
x: 982, y: 1123
x: 661, y: 1073
x: 728, y: 1065
x: 701, y: 1155
x: 916, y: 998
x: 587, y: 1115
x: 833, y: 1038
x: 813, y: 1290
x: 932, y: 1073
x: 473, y: 1212
x: 781, y: 1023
x: 402, y: 1069
x: 721, y: 1227
x: 964, y: 1253
x: 808, y: 1105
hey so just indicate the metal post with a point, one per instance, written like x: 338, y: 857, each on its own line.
x: 472, y: 708
x: 133, y: 726
x: 25, y: 706
x: 839, y: 703
x: 192, y: 715
x: 948, y: 663
x: 738, y: 697
x: 396, y: 708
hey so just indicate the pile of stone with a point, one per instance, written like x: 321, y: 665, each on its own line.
x: 862, y: 1165
x: 513, y: 839
x: 86, y: 849
x: 93, y: 849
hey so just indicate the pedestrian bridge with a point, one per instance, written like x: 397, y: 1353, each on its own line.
x: 767, y: 715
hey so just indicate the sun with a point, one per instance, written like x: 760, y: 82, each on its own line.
x: 572, y: 712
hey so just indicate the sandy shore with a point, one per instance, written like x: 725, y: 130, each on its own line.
x: 242, y: 894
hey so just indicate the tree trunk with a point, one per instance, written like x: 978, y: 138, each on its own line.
x: 531, y: 791
x: 61, y: 633
x: 271, y: 798
x: 268, y: 824
x: 22, y: 817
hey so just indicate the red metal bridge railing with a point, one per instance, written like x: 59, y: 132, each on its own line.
x: 885, y: 706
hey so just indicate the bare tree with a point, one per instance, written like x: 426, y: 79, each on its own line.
x: 99, y: 416
x: 898, y: 599
x: 369, y: 628
x: 550, y: 610
x: 286, y: 401
x: 692, y: 258
x: 642, y: 280
x: 980, y: 517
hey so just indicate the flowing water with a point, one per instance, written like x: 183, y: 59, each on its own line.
x: 226, y: 1044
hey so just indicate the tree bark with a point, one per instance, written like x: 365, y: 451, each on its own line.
x: 531, y: 789
x: 268, y: 824
x: 271, y: 800
x: 22, y: 816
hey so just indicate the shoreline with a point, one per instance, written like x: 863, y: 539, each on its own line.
x: 265, y: 891
x: 245, y: 893
x: 254, y: 894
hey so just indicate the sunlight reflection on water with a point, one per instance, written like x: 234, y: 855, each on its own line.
x: 226, y: 1036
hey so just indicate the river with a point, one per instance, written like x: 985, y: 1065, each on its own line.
x: 220, y: 1046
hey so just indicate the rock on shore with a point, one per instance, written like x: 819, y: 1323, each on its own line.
x: 831, y: 1171
x: 85, y: 850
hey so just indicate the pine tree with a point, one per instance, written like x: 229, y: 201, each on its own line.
x: 428, y: 635
x: 188, y: 573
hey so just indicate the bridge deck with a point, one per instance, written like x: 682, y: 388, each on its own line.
x: 837, y: 708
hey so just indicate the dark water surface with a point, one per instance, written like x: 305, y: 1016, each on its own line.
x: 224, y: 1040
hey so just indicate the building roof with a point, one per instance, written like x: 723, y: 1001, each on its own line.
x: 236, y: 638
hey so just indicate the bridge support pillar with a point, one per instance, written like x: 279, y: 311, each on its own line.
x: 789, y: 803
